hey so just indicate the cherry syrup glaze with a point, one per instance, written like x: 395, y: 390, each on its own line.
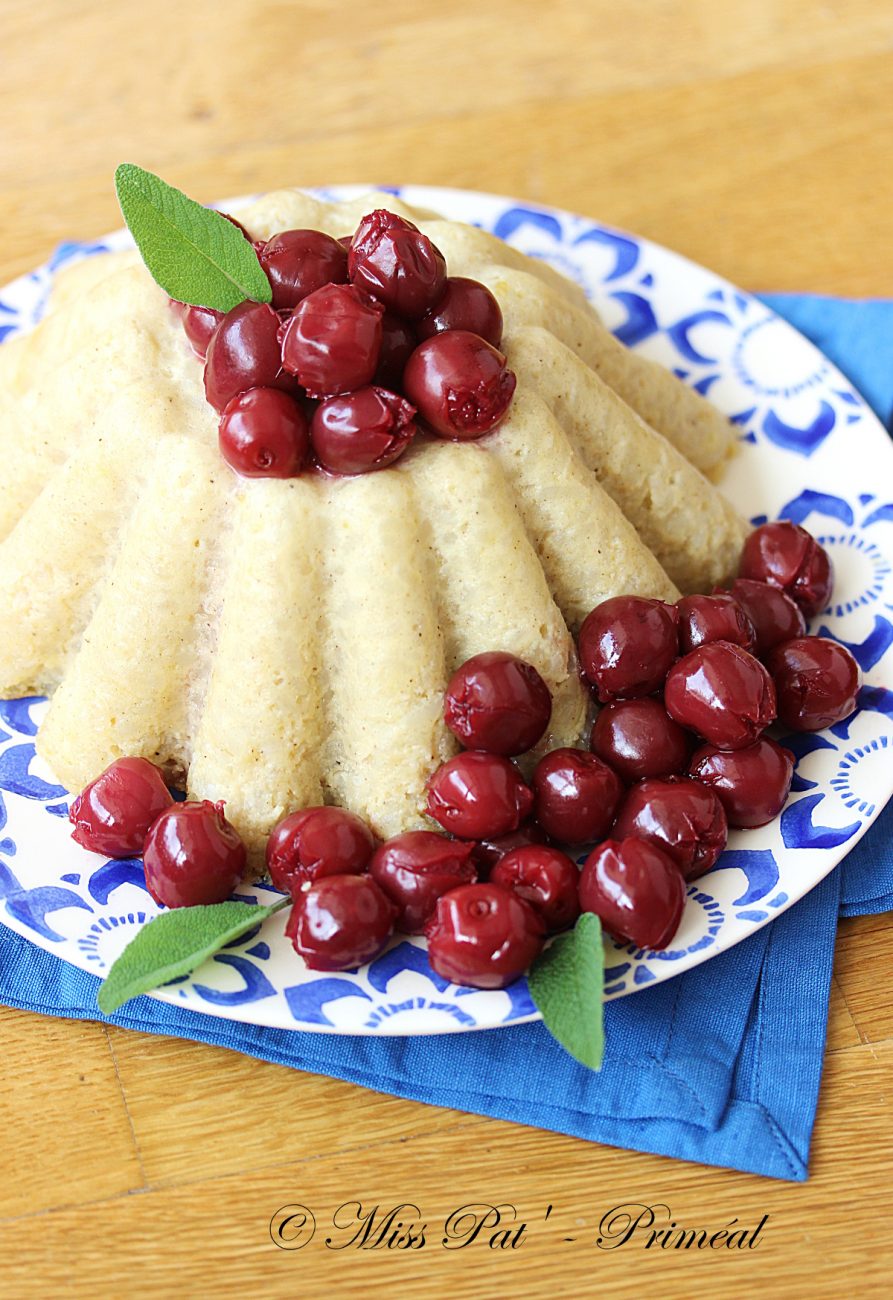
x: 263, y: 434
x: 483, y: 935
x: 713, y: 618
x: 627, y: 645
x: 460, y: 385
x: 340, y: 922
x: 298, y: 262
x: 317, y: 842
x: 332, y: 341
x: 576, y: 795
x: 498, y: 703
x: 398, y: 342
x: 789, y: 557
x: 487, y: 852
x: 751, y: 784
x: 775, y: 617
x: 465, y: 305
x: 638, y: 738
x: 636, y: 890
x: 193, y: 856
x: 362, y: 431
x: 244, y: 353
x: 112, y: 814
x: 722, y: 693
x: 817, y: 681
x: 415, y: 868
x: 392, y: 261
x: 680, y: 816
x: 545, y: 878
x: 477, y: 796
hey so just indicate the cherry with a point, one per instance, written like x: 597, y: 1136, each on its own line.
x: 361, y: 431
x: 775, y: 617
x: 817, y: 681
x: 199, y: 323
x: 332, y: 340
x: 263, y: 434
x: 681, y: 817
x: 398, y: 340
x: 638, y: 738
x: 636, y: 890
x: 483, y: 935
x: 112, y: 814
x: 627, y: 645
x: 722, y: 693
x: 340, y: 922
x: 487, y: 852
x: 576, y: 795
x: 498, y: 703
x: 751, y: 784
x: 465, y: 305
x: 244, y: 353
x: 297, y: 262
x: 545, y: 878
x: 238, y: 225
x: 789, y: 557
x: 713, y: 618
x: 317, y: 842
x: 415, y: 868
x: 392, y: 260
x: 193, y: 856
x: 477, y: 796
x: 459, y: 383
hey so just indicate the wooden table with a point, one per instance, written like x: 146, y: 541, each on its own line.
x: 754, y: 138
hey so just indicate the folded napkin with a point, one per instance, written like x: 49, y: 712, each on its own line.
x: 720, y: 1065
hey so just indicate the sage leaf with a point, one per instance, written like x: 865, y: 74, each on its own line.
x: 567, y: 982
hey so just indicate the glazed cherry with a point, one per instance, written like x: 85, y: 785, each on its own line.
x: 638, y: 738
x: 414, y: 869
x: 483, y: 935
x: 244, y: 353
x: 487, y: 852
x: 263, y: 434
x: 713, y: 618
x: 297, y: 262
x: 751, y: 784
x: 680, y: 816
x: 545, y: 878
x: 636, y: 890
x: 576, y: 795
x: 317, y: 842
x: 498, y: 703
x: 477, y: 796
x: 362, y: 431
x: 627, y: 645
x: 465, y: 305
x: 789, y: 557
x: 775, y: 617
x: 112, y: 814
x: 332, y: 341
x: 199, y: 323
x: 817, y: 681
x: 193, y: 856
x: 722, y: 693
x: 459, y: 383
x: 392, y: 260
x: 398, y: 341
x: 340, y: 922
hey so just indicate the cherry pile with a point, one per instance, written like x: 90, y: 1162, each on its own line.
x: 366, y: 341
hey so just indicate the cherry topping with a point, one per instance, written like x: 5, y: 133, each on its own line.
x: 713, y: 618
x: 483, y: 935
x: 398, y: 341
x: 332, y: 340
x: 751, y: 784
x: 627, y: 645
x: 393, y: 261
x: 244, y: 353
x: 545, y: 878
x: 414, y: 869
x: 193, y: 856
x: 340, y: 922
x: 459, y: 383
x: 775, y: 617
x: 263, y: 434
x: 112, y: 814
x: 317, y: 842
x: 636, y: 890
x: 789, y: 557
x: 363, y: 430
x: 721, y: 692
x: 639, y: 738
x: 498, y: 703
x: 817, y: 681
x: 487, y: 852
x: 576, y: 795
x: 477, y: 796
x: 199, y: 323
x: 681, y: 817
x: 297, y: 262
x: 465, y: 305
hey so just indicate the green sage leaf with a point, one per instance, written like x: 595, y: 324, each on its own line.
x: 567, y: 984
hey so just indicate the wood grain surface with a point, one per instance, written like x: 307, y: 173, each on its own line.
x: 754, y: 138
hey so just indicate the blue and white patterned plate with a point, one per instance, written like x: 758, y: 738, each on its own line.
x: 811, y: 452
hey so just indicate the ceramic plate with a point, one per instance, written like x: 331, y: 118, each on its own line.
x: 811, y: 452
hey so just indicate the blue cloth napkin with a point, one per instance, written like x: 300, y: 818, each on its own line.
x: 721, y: 1065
